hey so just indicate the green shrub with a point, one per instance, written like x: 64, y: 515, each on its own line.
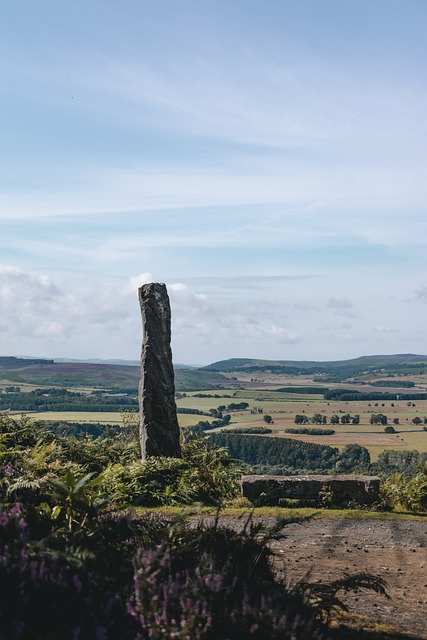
x: 204, y: 474
x: 401, y: 492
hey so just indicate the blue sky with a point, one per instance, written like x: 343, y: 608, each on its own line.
x: 266, y: 160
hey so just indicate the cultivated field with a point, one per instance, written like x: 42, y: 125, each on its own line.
x: 283, y: 407
x: 96, y: 417
x: 93, y: 417
x: 260, y: 392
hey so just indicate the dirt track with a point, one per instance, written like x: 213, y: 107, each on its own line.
x: 322, y: 550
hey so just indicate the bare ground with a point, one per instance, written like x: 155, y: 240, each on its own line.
x: 323, y: 550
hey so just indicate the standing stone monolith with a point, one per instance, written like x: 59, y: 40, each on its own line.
x: 159, y: 430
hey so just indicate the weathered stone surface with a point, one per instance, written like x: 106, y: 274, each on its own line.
x: 159, y: 430
x: 345, y: 488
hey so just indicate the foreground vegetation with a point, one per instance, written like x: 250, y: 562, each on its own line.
x: 87, y: 549
x: 80, y: 562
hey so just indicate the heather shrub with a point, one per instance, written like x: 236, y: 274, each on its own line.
x: 212, y: 582
x: 184, y: 582
x: 44, y: 592
x: 208, y: 602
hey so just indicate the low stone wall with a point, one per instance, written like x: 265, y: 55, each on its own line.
x: 339, y: 489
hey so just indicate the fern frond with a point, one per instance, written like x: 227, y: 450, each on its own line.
x: 323, y: 596
x: 24, y: 483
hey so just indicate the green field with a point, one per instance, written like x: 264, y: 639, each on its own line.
x: 283, y: 407
x: 97, y: 417
x: 259, y: 390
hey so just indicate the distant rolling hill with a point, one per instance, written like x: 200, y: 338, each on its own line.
x: 390, y: 363
x: 46, y: 373
x: 104, y: 375
x: 130, y: 363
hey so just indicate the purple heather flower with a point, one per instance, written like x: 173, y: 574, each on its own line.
x: 77, y: 583
x: 101, y: 633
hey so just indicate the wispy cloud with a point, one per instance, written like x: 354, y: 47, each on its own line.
x: 342, y: 303
x: 385, y: 328
x: 421, y: 294
x: 269, y: 166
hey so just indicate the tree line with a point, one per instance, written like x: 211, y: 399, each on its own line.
x: 283, y: 456
x: 64, y: 400
x: 351, y: 394
x: 319, y: 418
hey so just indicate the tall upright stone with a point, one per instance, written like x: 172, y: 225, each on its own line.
x: 159, y: 430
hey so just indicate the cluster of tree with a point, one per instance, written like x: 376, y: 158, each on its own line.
x: 417, y: 420
x: 277, y: 451
x: 216, y: 413
x: 407, y: 462
x: 282, y: 456
x: 346, y: 418
x: 312, y: 431
x: 81, y: 430
x: 319, y: 418
x: 316, y: 419
x: 235, y: 406
x: 393, y: 383
x: 350, y: 395
x: 378, y: 418
x: 206, y: 395
x: 11, y: 361
x: 270, y: 368
x: 196, y: 412
x: 64, y: 400
x: 353, y: 458
x: 205, y: 425
x: 249, y: 430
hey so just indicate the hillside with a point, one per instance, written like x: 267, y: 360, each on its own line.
x: 399, y: 363
x: 107, y: 375
x: 46, y: 373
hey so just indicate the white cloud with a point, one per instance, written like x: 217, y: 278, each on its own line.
x: 284, y: 334
x: 385, y: 328
x: 99, y: 317
x: 13, y: 279
x: 34, y: 308
x: 185, y: 301
x: 137, y: 281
